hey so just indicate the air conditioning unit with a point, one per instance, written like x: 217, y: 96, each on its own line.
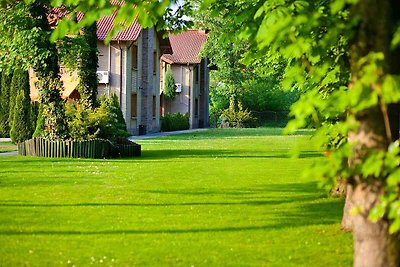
x: 103, y: 76
x: 178, y: 88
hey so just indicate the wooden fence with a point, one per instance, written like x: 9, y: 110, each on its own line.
x: 96, y: 148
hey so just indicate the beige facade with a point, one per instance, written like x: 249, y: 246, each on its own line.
x: 134, y: 71
x: 193, y: 99
x: 134, y: 76
x: 191, y: 74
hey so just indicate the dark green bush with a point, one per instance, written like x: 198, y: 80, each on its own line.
x: 174, y: 122
x: 19, y: 82
x: 21, y: 128
x: 39, y: 125
x: 5, y: 104
x: 34, y: 112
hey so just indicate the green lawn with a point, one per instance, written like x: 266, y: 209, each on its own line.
x: 214, y: 198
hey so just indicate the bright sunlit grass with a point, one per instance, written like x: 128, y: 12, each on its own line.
x: 212, y: 198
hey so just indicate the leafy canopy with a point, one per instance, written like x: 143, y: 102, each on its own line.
x: 311, y: 40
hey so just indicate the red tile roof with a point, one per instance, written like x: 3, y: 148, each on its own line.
x: 186, y: 47
x: 104, y: 25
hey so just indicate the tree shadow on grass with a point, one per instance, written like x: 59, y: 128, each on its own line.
x: 233, y: 203
x: 220, y: 153
x: 307, y: 208
x: 236, y: 196
x: 310, y: 188
x: 311, y: 214
x: 234, y: 133
x: 162, y: 154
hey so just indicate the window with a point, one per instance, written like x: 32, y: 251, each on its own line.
x: 196, y: 74
x: 134, y: 105
x: 162, y: 67
x: 134, y: 57
x: 154, y: 62
x: 154, y: 105
x: 196, y: 107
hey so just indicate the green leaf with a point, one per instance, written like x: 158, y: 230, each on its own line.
x: 391, y: 89
x: 394, y: 214
x: 337, y: 6
x: 396, y: 38
x: 373, y: 165
x: 378, y: 211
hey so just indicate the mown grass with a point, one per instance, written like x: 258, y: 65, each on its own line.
x: 211, y: 198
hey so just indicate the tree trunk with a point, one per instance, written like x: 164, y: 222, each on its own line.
x: 373, y: 245
x: 347, y: 223
x: 340, y: 187
x: 50, y: 86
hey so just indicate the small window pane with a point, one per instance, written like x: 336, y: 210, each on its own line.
x: 134, y: 105
x: 134, y: 57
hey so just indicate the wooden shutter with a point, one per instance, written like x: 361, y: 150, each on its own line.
x: 154, y: 62
x: 134, y: 105
x: 154, y: 105
x: 134, y: 57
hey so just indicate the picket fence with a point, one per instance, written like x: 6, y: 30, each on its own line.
x: 95, y: 148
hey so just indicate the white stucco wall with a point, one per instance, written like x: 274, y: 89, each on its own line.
x: 184, y: 102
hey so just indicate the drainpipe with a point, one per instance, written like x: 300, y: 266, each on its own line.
x: 120, y: 69
x: 190, y: 100
x: 120, y: 73
x: 108, y: 87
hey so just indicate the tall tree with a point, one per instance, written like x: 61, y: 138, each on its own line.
x: 322, y: 41
x: 88, y: 67
x: 4, y: 104
x: 48, y: 74
x: 19, y: 82
x: 21, y: 129
x: 25, y: 42
x: 378, y: 128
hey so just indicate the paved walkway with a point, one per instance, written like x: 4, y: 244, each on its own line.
x: 12, y: 153
x: 160, y: 134
x: 5, y: 154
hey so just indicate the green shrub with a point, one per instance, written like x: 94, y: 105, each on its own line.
x: 105, y: 122
x: 174, y: 122
x: 117, y: 117
x: 21, y: 128
x: 261, y: 96
x: 236, y: 117
x: 39, y: 125
x: 80, y: 122
x: 34, y: 112
x: 170, y: 86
